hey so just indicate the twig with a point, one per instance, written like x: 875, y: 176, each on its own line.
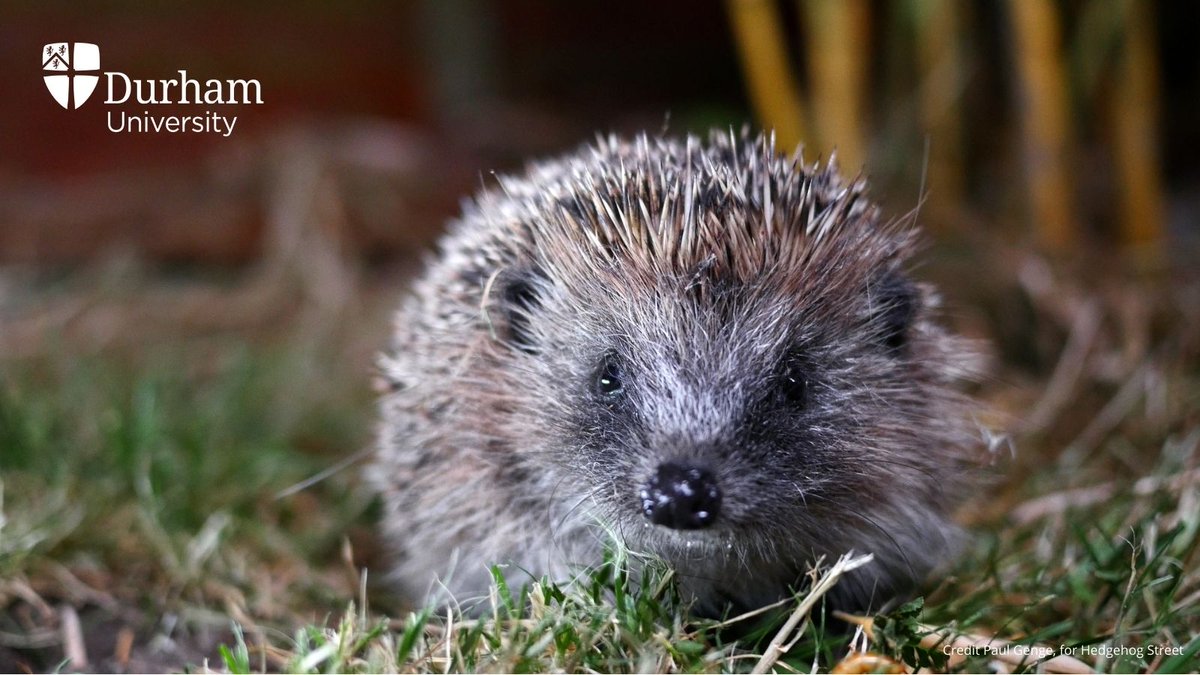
x: 72, y: 637
x: 321, y: 475
x: 123, y: 647
x: 20, y: 587
x: 80, y: 592
x: 1111, y: 415
x: 753, y: 613
x: 1058, y: 502
x: 39, y: 638
x: 827, y: 581
x: 1068, y: 370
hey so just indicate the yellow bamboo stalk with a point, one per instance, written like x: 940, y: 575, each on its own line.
x: 837, y: 55
x: 1135, y: 111
x: 1042, y: 105
x: 774, y: 90
x: 942, y: 80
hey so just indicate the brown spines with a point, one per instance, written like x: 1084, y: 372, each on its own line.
x: 659, y: 207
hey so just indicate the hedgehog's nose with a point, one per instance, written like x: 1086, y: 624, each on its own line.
x: 681, y: 497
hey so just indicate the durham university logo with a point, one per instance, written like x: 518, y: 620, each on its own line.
x: 76, y: 65
x: 72, y: 74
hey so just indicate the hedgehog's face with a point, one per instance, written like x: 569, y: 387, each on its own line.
x: 722, y: 418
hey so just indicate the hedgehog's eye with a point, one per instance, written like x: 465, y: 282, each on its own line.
x: 609, y: 378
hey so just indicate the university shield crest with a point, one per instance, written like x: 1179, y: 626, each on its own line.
x: 75, y: 69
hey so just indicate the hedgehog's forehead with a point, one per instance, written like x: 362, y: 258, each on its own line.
x: 707, y: 245
x: 668, y: 211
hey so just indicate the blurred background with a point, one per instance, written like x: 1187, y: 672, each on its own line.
x: 188, y: 322
x: 1065, y: 123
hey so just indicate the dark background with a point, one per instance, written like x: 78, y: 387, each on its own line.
x: 408, y: 106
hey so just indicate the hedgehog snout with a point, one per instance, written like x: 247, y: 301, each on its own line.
x: 681, y: 497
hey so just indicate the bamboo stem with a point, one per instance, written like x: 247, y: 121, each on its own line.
x: 838, y: 46
x: 1135, y: 113
x: 1042, y: 105
x: 774, y: 90
x: 941, y: 86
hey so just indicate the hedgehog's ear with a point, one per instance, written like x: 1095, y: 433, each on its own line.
x: 894, y: 302
x: 520, y: 298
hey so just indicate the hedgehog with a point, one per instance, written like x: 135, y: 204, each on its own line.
x: 705, y: 351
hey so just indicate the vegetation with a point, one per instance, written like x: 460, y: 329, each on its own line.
x: 192, y: 503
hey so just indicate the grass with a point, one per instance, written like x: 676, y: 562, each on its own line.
x: 145, y: 491
x: 164, y: 473
x: 603, y: 621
